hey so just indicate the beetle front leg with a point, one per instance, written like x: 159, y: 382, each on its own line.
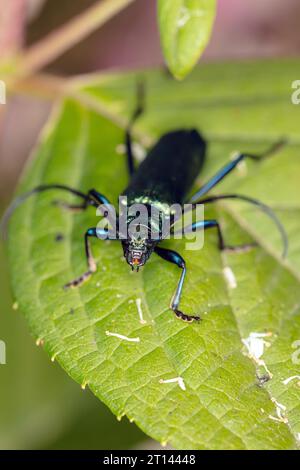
x: 173, y: 257
x: 92, y: 266
x: 102, y: 234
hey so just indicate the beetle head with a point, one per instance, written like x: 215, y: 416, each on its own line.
x: 137, y: 251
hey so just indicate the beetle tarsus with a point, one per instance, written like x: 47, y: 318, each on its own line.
x: 79, y: 280
x: 240, y: 248
x: 70, y: 207
x: 186, y: 318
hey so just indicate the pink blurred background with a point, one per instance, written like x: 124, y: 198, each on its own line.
x: 260, y: 28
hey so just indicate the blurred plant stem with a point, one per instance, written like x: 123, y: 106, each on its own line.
x: 12, y: 21
x: 58, y: 42
x: 19, y: 72
x: 51, y: 88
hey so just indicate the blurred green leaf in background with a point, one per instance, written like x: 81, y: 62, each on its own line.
x: 185, y: 28
x: 224, y: 404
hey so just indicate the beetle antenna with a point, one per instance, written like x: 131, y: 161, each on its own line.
x: 18, y: 201
x: 266, y: 209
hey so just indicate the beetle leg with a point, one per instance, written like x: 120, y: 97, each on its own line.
x: 93, y: 198
x: 255, y: 202
x: 92, y: 266
x: 230, y: 166
x: 206, y: 224
x: 173, y: 257
x: 128, y: 137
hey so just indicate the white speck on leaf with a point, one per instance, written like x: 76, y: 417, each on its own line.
x: 186, y: 15
x: 120, y: 149
x: 138, y: 151
x: 230, y: 277
x: 280, y: 411
x: 255, y: 345
x: 279, y: 405
x: 53, y: 357
x: 241, y: 166
x: 39, y: 342
x: 179, y: 380
x: 125, y: 338
x: 140, y: 311
x: 289, y: 379
x: 273, y: 418
x: 119, y: 417
x: 262, y: 363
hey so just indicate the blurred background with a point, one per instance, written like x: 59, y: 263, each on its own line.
x: 40, y: 407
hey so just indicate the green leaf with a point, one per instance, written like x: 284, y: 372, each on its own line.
x: 185, y: 28
x: 238, y: 107
x: 51, y: 411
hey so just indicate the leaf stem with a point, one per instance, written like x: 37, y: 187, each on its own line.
x: 50, y: 87
x: 59, y: 41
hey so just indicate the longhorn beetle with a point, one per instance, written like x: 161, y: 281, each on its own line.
x: 164, y: 177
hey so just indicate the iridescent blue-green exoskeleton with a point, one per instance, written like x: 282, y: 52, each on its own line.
x: 164, y: 178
